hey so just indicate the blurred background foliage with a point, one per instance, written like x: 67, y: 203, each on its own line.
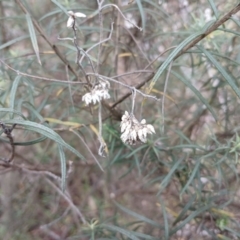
x: 182, y: 184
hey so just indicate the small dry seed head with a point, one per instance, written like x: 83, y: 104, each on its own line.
x: 134, y: 131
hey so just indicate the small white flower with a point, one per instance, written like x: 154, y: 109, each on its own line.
x: 103, y: 94
x: 95, y: 97
x: 87, y: 98
x: 133, y: 131
x: 70, y: 22
x: 72, y: 17
x: 150, y: 129
x: 133, y: 135
x: 98, y: 93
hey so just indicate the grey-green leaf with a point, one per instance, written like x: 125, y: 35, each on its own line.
x: 63, y: 166
x: 173, y: 54
x: 33, y: 37
x: 224, y: 73
x: 48, y: 132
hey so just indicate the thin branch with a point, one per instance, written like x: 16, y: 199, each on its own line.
x: 37, y: 77
x: 8, y: 132
x: 79, y: 136
x: 113, y: 5
x: 100, y: 138
x: 132, y: 88
x: 190, y: 45
x: 133, y: 100
x: 67, y: 199
x: 101, y: 42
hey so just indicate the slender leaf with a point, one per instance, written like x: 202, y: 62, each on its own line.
x: 173, y: 54
x: 165, y: 218
x: 197, y: 93
x: 60, y: 6
x: 138, y: 216
x: 15, y: 40
x: 13, y: 92
x: 184, y: 210
x: 32, y: 142
x: 141, y: 10
x: 191, y: 217
x: 213, y: 6
x: 196, y: 168
x: 168, y: 178
x: 10, y: 110
x: 226, y: 76
x: 33, y: 37
x: 36, y: 127
x: 122, y: 231
x: 63, y: 166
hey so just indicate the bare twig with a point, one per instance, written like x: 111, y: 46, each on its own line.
x: 37, y: 77
x: 8, y: 132
x: 66, y: 197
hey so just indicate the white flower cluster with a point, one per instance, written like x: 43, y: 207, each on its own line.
x: 134, y: 131
x: 72, y: 17
x: 99, y: 92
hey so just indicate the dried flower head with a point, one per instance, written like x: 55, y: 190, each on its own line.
x: 134, y: 131
x: 72, y: 17
x: 99, y: 92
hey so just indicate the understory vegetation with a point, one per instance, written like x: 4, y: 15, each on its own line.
x: 119, y: 119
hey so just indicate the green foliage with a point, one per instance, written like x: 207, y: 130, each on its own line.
x: 183, y: 183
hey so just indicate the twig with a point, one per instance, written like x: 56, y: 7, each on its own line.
x: 190, y: 45
x: 113, y: 5
x: 79, y: 136
x: 133, y: 100
x: 8, y: 132
x: 95, y: 45
x: 100, y: 138
x: 37, y: 77
x: 67, y: 199
x: 132, y: 88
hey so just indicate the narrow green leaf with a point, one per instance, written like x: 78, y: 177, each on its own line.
x: 173, y: 54
x: 197, y: 93
x: 213, y: 6
x: 32, y: 142
x: 49, y: 14
x: 140, y: 7
x: 13, y: 92
x: 158, y: 7
x: 138, y: 216
x: 63, y: 166
x: 165, y: 218
x: 196, y: 168
x: 167, y: 179
x: 234, y: 232
x: 36, y: 127
x: 56, y: 2
x: 227, y: 77
x: 121, y: 230
x: 191, y: 217
x: 10, y: 110
x: 33, y: 37
x: 184, y: 210
x: 15, y: 40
